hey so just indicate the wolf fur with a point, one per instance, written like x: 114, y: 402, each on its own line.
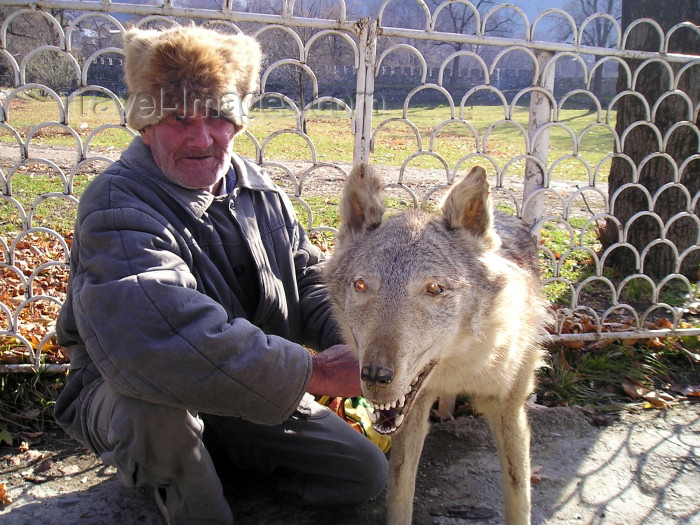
x: 436, y: 305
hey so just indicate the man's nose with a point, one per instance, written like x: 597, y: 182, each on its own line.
x: 199, y: 133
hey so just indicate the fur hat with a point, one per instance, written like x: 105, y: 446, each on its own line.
x: 173, y: 71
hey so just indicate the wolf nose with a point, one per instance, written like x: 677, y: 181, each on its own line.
x: 379, y: 375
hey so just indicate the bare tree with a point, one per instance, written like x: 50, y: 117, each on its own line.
x: 454, y: 17
x: 278, y: 44
x: 28, y: 32
x: 93, y: 34
x: 458, y: 18
x: 599, y: 32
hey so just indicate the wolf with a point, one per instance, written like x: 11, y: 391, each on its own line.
x: 437, y: 305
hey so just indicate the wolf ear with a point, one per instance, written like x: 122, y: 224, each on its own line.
x: 362, y: 201
x: 469, y: 206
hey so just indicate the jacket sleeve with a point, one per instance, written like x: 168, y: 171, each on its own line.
x: 318, y: 325
x: 320, y: 328
x: 155, y: 337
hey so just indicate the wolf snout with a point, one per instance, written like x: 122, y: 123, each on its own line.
x: 377, y: 375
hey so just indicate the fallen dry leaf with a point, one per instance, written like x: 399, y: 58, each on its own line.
x: 654, y: 344
x: 4, y: 498
x: 667, y: 397
x: 692, y: 355
x: 44, y: 466
x: 656, y: 400
x: 600, y: 345
x: 692, y: 390
x: 32, y: 438
x: 662, y: 324
x: 535, y: 477
x: 634, y: 390
x: 563, y: 362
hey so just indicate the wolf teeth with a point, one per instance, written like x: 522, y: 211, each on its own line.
x: 399, y: 403
x: 373, y: 416
x: 398, y: 420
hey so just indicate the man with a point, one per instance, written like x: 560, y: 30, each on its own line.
x: 192, y: 287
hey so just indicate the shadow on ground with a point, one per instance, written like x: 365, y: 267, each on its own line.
x: 642, y: 469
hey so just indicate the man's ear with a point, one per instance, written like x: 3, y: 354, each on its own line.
x: 469, y: 206
x: 362, y: 201
x: 146, y: 135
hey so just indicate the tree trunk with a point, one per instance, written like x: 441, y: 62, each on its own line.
x: 454, y: 77
x: 652, y: 82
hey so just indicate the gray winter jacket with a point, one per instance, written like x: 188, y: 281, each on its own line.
x: 151, y: 307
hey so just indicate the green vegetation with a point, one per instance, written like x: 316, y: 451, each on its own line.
x: 57, y: 211
x: 611, y: 374
x: 330, y: 132
x: 395, y: 138
x: 27, y: 400
x: 571, y: 254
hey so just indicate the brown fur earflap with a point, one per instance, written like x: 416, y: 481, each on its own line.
x: 176, y: 70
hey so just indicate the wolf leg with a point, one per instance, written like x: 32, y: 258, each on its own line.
x: 508, y: 421
x: 406, y: 448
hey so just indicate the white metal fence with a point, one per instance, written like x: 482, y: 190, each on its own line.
x: 336, y: 90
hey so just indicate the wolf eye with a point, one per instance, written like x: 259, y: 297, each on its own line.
x: 433, y: 288
x: 360, y: 285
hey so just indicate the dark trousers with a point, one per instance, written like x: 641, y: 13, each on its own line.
x: 314, y: 454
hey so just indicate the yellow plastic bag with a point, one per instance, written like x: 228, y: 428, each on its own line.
x: 354, y: 410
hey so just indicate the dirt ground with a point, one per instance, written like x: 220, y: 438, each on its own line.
x: 413, y: 186
x: 641, y: 468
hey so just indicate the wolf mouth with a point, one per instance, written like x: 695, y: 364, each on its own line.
x: 387, y: 417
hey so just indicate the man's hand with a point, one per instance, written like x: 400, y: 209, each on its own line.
x: 335, y: 372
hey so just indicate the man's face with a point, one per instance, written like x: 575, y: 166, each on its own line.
x: 194, y: 152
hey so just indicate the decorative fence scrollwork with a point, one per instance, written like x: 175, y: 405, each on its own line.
x: 342, y: 87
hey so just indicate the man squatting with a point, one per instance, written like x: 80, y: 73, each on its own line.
x: 192, y: 288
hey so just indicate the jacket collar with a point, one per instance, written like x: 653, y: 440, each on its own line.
x: 138, y: 158
x: 250, y: 176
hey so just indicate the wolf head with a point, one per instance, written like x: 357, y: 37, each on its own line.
x: 467, y: 206
x: 418, y: 294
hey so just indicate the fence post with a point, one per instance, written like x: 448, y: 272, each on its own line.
x: 540, y: 113
x: 364, y: 95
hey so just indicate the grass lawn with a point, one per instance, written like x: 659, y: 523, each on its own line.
x: 398, y: 133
